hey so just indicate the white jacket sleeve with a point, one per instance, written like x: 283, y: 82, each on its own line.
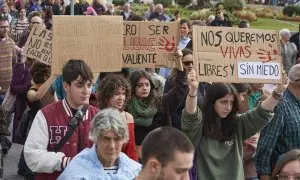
x: 37, y: 157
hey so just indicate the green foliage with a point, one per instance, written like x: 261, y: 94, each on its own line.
x: 246, y: 15
x: 185, y: 14
x: 232, y: 5
x: 166, y: 3
x: 183, y: 2
x: 235, y: 20
x: 201, y: 14
x: 119, y: 2
x: 289, y: 10
x: 297, y: 10
x: 264, y: 23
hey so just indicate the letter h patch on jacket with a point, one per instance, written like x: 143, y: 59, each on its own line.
x: 57, y: 133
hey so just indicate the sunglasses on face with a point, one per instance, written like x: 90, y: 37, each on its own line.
x: 35, y: 23
x: 187, y: 63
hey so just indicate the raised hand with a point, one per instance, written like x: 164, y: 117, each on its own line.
x: 192, y: 80
x: 178, y: 56
x: 282, y: 87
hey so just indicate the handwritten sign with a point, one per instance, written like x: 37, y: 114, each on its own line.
x: 94, y: 39
x: 258, y: 70
x: 38, y: 45
x: 224, y: 54
x: 150, y: 44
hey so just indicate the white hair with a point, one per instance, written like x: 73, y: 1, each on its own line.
x: 159, y: 5
x: 108, y: 119
x: 127, y: 4
x: 282, y: 32
x: 211, y: 17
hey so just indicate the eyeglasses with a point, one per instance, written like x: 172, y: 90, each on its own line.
x: 288, y: 177
x: 187, y: 63
x: 108, y: 140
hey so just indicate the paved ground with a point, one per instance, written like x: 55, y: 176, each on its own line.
x: 10, y: 163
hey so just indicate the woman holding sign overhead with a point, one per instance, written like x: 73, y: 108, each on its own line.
x: 149, y: 110
x: 218, y: 132
x: 183, y: 41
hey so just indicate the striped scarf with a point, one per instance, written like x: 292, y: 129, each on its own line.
x: 142, y: 113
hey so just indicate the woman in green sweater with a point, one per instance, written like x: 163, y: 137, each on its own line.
x: 218, y: 132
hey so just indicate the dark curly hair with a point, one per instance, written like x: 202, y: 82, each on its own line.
x: 108, y: 86
x: 40, y: 72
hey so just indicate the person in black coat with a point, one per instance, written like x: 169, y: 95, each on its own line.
x: 158, y: 14
x: 55, y: 7
x: 221, y: 20
x: 79, y: 8
x: 295, y: 39
x: 127, y: 13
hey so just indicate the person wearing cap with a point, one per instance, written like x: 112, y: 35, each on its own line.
x: 282, y: 134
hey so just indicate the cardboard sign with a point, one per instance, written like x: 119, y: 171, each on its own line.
x: 93, y: 39
x: 38, y: 45
x: 224, y: 54
x: 150, y: 44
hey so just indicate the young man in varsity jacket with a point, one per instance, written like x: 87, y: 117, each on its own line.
x: 51, y: 124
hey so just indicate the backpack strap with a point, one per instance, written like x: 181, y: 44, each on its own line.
x: 73, y: 124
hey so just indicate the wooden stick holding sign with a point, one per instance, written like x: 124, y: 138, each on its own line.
x: 224, y: 54
x: 150, y: 44
x: 38, y: 45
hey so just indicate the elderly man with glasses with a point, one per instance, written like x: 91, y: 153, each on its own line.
x: 104, y: 160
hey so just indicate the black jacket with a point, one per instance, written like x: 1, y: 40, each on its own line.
x: 79, y: 9
x: 217, y: 22
x: 55, y: 7
x: 295, y: 39
x: 124, y: 17
x: 155, y: 15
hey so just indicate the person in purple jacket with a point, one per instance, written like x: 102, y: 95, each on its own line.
x: 20, y: 84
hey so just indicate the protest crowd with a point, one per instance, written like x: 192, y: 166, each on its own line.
x: 145, y: 123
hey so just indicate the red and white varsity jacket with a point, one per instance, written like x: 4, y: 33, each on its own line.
x: 48, y: 128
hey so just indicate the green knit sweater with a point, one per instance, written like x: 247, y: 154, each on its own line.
x: 222, y: 160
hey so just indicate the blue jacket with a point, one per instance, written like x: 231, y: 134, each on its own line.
x: 86, y: 165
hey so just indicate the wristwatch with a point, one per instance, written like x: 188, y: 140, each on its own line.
x: 276, y: 95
